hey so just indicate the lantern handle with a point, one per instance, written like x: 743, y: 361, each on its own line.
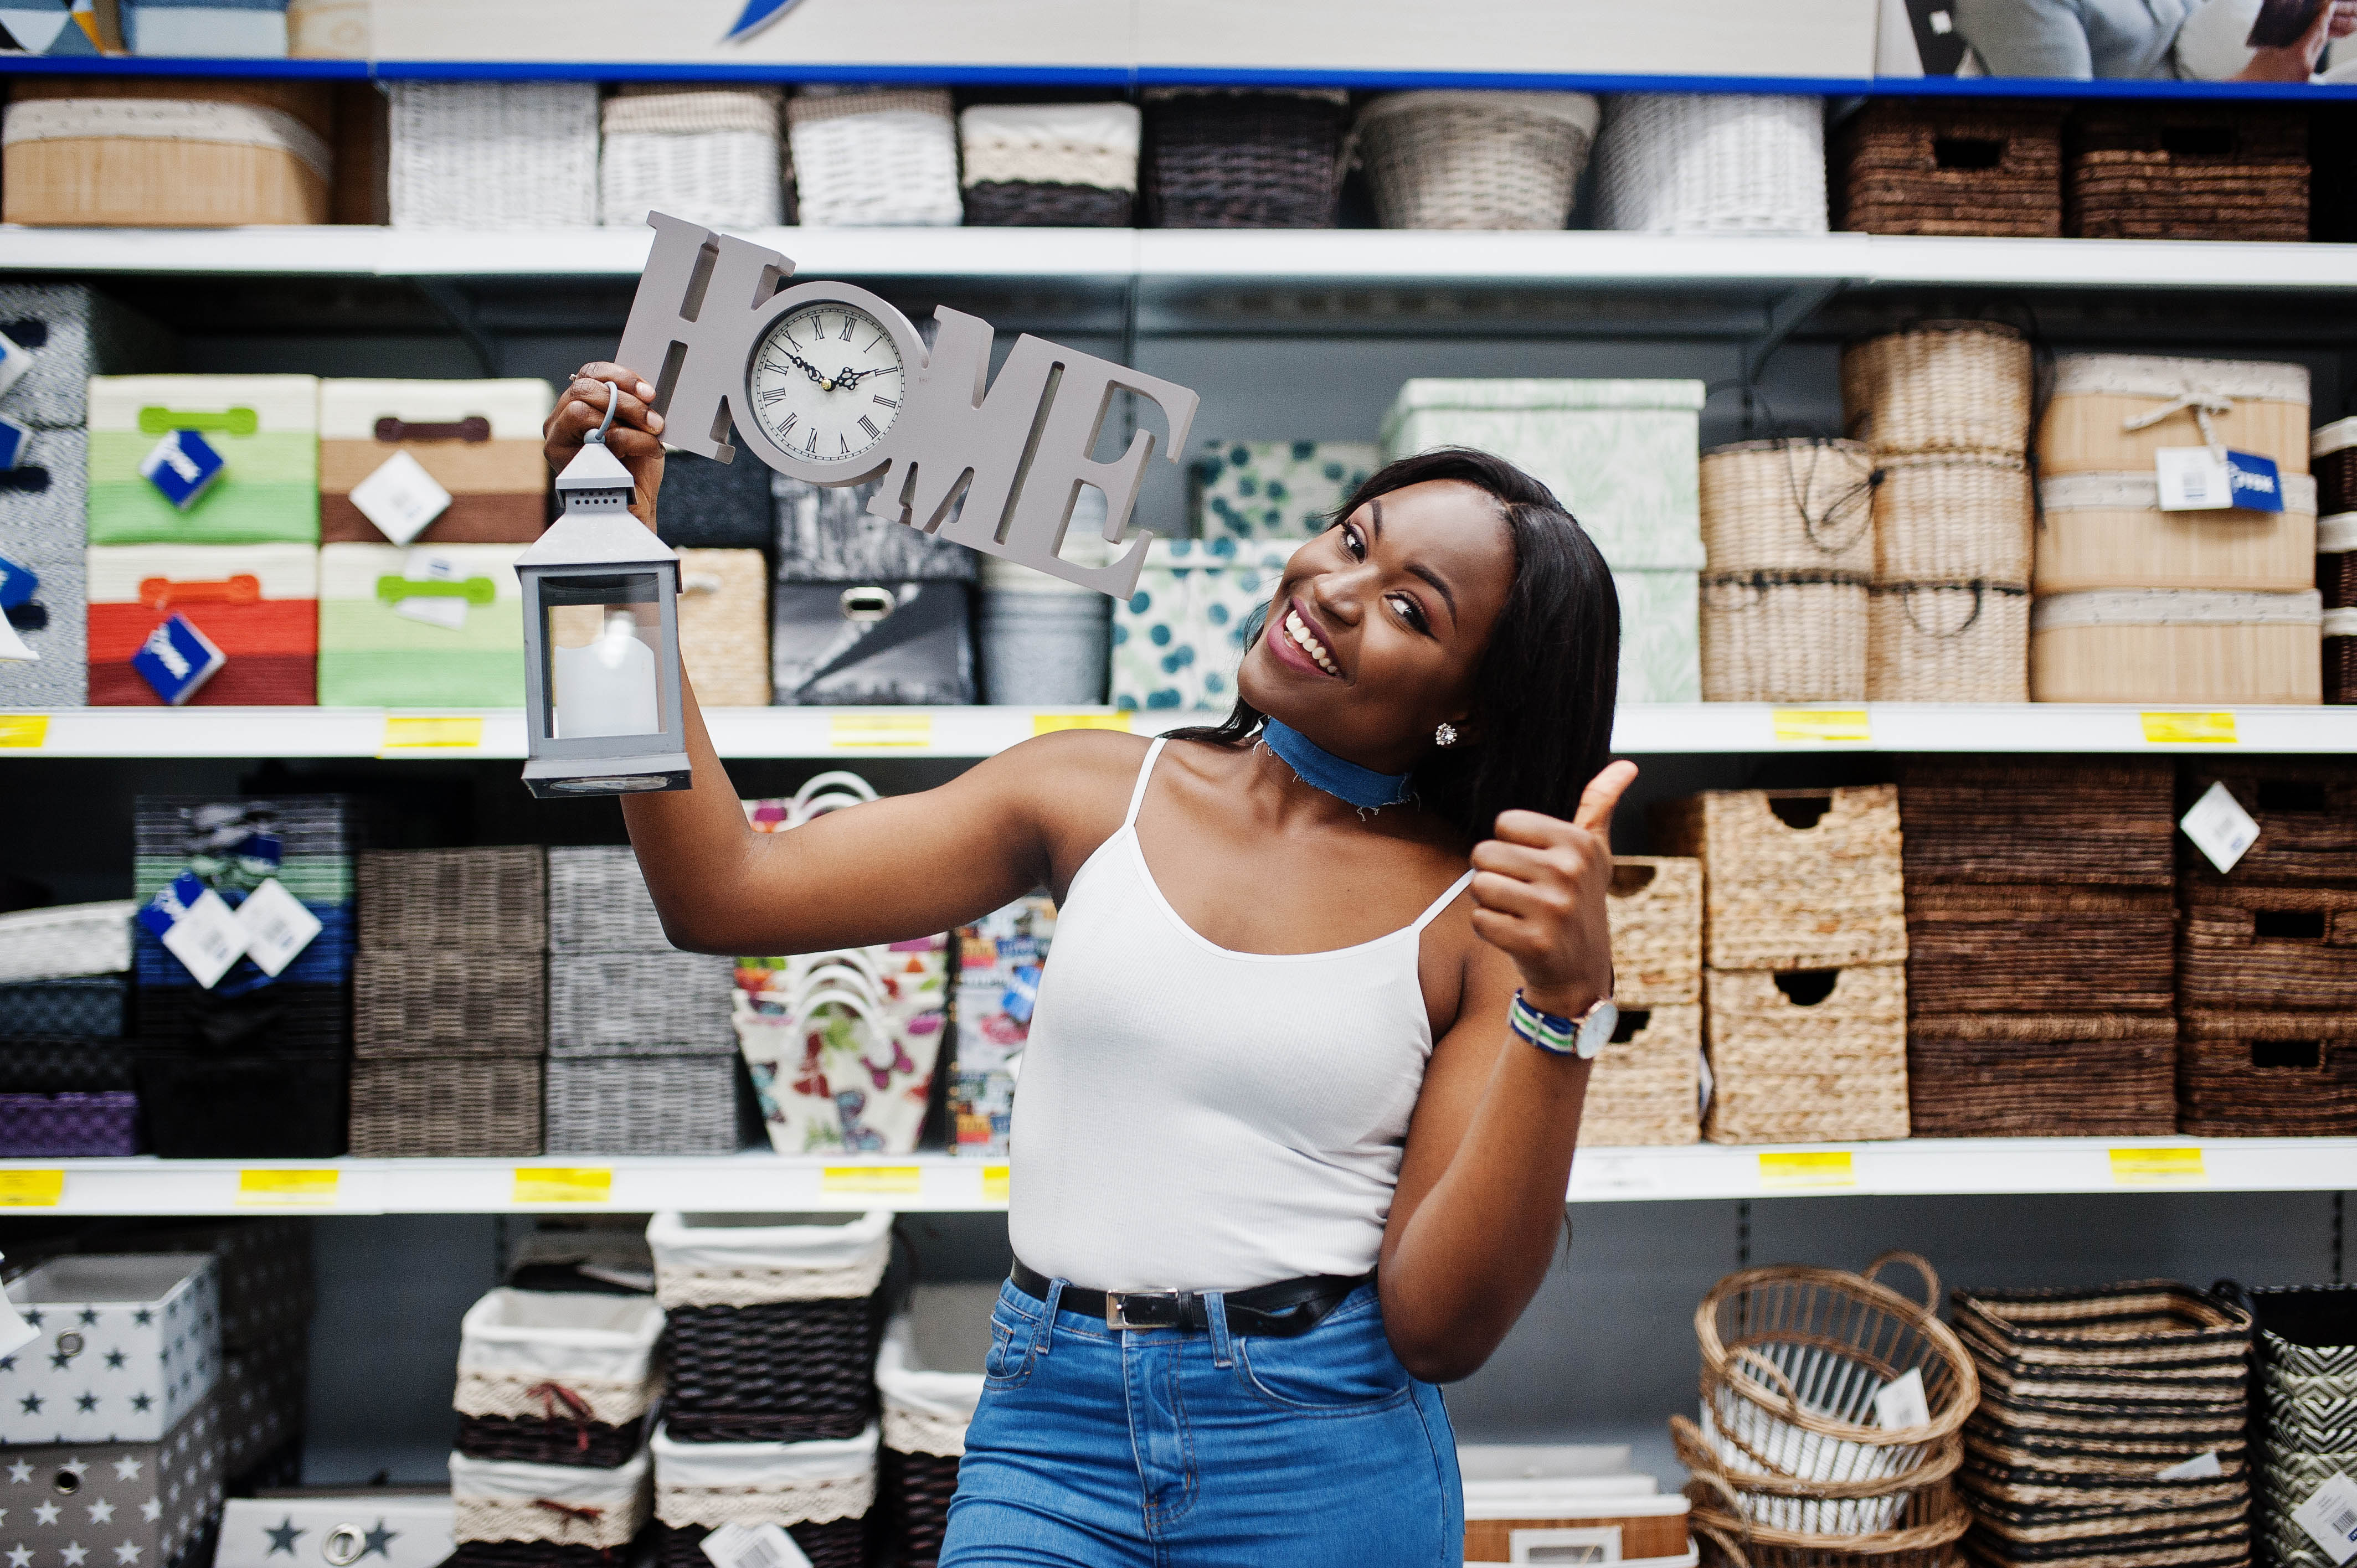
x: 613, y: 403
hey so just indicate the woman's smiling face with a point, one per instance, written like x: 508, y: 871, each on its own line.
x: 1379, y: 624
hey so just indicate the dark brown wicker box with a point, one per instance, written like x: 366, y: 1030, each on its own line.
x: 2340, y: 670
x: 2336, y: 578
x: 2268, y: 950
x: 2015, y: 1076
x: 439, y: 1104
x: 777, y: 1372
x: 1928, y: 165
x: 2267, y: 1075
x: 2186, y: 171
x: 1030, y: 204
x: 2056, y: 949
x: 406, y: 1001
x: 593, y: 1444
x: 2332, y: 458
x: 917, y: 1489
x: 1242, y: 160
x: 2306, y: 813
x: 493, y: 899
x: 837, y: 1543
x: 2088, y: 821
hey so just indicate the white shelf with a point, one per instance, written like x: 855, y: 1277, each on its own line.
x: 756, y: 1182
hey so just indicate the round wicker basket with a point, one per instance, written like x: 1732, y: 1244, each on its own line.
x: 1867, y: 1507
x: 1476, y: 160
x: 1789, y: 504
x: 1939, y: 386
x: 1933, y: 1521
x: 1782, y: 637
x: 1953, y: 516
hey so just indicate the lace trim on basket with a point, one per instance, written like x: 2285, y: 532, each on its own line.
x: 761, y: 1287
x: 1013, y: 162
x: 536, y: 1396
x: 166, y: 119
x: 818, y: 1502
x: 808, y: 108
x: 913, y: 1432
x: 664, y: 110
x: 566, y: 1524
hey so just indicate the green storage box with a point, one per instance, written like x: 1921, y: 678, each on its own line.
x: 1661, y: 637
x: 378, y: 649
x: 267, y: 429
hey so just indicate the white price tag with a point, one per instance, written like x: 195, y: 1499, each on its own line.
x: 755, y: 1546
x: 448, y: 611
x: 2220, y: 828
x: 400, y: 498
x: 2201, y: 1467
x: 14, y: 1332
x: 12, y: 646
x: 1900, y: 1403
x: 207, y: 939
x: 277, y: 926
x: 2193, y: 478
x: 2330, y: 1517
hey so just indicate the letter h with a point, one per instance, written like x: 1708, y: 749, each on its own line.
x: 690, y: 326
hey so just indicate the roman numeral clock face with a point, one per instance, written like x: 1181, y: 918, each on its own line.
x: 826, y: 382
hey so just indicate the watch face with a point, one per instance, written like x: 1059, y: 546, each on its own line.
x: 826, y: 382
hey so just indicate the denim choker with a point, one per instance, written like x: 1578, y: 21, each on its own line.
x: 1320, y: 769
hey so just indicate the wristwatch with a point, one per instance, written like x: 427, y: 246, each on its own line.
x: 1582, y: 1036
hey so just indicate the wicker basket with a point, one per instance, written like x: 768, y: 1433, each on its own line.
x: 553, y: 1505
x: 2248, y: 948
x: 646, y: 1100
x: 708, y: 154
x: 69, y: 1124
x: 1946, y: 165
x: 813, y: 1487
x: 1795, y: 878
x: 1646, y: 1087
x: 1832, y: 1513
x: 1057, y: 165
x: 838, y: 1544
x: 2303, y: 808
x: 1995, y: 1075
x: 2169, y: 646
x: 1925, y: 1534
x: 2099, y: 821
x: 1782, y: 637
x: 675, y: 999
x: 724, y: 626
x: 2060, y: 949
x: 1697, y: 163
x: 1952, y: 517
x: 2339, y: 642
x: 2336, y: 560
x: 2268, y: 1075
x: 494, y: 154
x: 2111, y: 413
x: 87, y: 1009
x: 1220, y: 158
x: 885, y: 157
x: 1939, y: 386
x: 205, y: 1102
x: 440, y: 1105
x: 2186, y: 171
x: 1655, y: 904
x: 60, y: 1064
x: 450, y: 1002
x: 1807, y: 1056
x: 66, y: 941
x: 482, y: 900
x: 928, y: 1373
x: 282, y: 1016
x: 1947, y: 642
x: 710, y: 505
x: 166, y: 153
x: 1475, y: 160
x: 2107, y: 530
x: 557, y: 1378
x: 598, y: 901
x: 1788, y: 505
x: 2332, y: 455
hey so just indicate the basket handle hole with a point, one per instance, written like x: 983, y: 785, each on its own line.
x: 1966, y: 152
x: 1632, y: 1024
x: 1801, y: 812
x: 1628, y: 880
x: 2290, y: 795
x: 2198, y: 140
x: 26, y: 333
x: 2302, y: 1055
x: 1807, y: 987
x: 2289, y: 925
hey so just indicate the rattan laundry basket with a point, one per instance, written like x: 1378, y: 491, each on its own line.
x: 1475, y: 160
x: 1952, y: 517
x: 1807, y: 1056
x: 1948, y: 642
x: 1939, y: 386
x: 1795, y: 878
x: 1057, y: 165
x: 1782, y: 637
x: 1694, y: 163
x: 1237, y: 158
x: 1951, y: 165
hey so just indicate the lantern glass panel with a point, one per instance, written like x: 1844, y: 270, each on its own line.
x: 603, y: 635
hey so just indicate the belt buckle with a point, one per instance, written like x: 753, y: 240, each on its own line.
x: 1161, y: 1308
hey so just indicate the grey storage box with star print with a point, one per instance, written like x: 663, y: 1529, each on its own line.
x: 111, y: 1505
x: 130, y: 1343
x: 385, y: 1526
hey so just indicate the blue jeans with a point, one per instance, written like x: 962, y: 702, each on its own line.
x: 1158, y: 1448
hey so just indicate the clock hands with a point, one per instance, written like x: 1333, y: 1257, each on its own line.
x: 812, y: 371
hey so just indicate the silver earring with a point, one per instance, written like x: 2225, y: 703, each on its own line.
x: 1444, y: 735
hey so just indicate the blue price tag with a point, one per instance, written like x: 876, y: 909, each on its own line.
x: 171, y: 905
x: 17, y: 583
x: 182, y: 466
x: 1022, y: 993
x: 176, y: 659
x: 2254, y: 482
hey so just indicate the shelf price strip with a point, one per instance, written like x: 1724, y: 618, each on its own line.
x: 24, y: 731
x: 1845, y: 726
x: 994, y: 1183
x: 862, y: 732
x: 2157, y: 1167
x: 281, y: 1188
x: 409, y: 733
x: 564, y: 1183
x: 31, y: 1189
x: 1787, y: 1169
x: 2181, y: 729
x: 1049, y: 723
x: 889, y: 1181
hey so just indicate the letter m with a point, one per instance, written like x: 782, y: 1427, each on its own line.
x: 690, y: 326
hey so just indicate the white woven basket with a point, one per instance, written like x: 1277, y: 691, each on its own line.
x: 569, y: 1505
x: 66, y: 942
x: 1693, y: 163
x: 494, y: 154
x: 1475, y: 160
x: 598, y: 1349
x: 1051, y: 143
x: 748, y: 1260
x: 879, y: 159
x: 713, y: 1483
x: 928, y: 1400
x: 710, y: 155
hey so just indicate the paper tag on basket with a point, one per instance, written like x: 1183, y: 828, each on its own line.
x: 2330, y: 1517
x: 2220, y: 828
x: 1703, y: 1083
x: 277, y: 926
x: 754, y: 1546
x: 400, y: 498
x: 194, y: 926
x: 448, y: 611
x: 1900, y: 1403
x: 2201, y: 1467
x: 2193, y: 478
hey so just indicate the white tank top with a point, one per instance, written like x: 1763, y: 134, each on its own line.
x: 1193, y: 1117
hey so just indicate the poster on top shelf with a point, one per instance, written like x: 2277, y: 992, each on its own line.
x: 2250, y: 41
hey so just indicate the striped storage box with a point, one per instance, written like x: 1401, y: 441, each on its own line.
x: 72, y: 332
x: 494, y: 154
x: 479, y: 441
x: 265, y: 429
x: 389, y: 634
x: 257, y: 602
x: 1052, y: 164
x: 706, y: 155
x: 886, y: 157
x: 166, y: 151
x: 642, y: 1100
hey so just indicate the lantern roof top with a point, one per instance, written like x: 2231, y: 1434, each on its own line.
x: 595, y: 467
x: 608, y: 535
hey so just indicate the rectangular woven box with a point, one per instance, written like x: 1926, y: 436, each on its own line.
x: 478, y: 440
x: 1655, y: 904
x: 2084, y: 427
x: 259, y: 604
x: 2058, y: 948
x: 724, y: 626
x: 45, y: 498
x: 492, y: 899
x: 371, y: 654
x: 1935, y: 165
x: 2267, y: 1075
x: 631, y: 1102
x: 2307, y: 811
x: 2187, y: 171
x: 2107, y: 530
x: 267, y: 429
x: 87, y: 1007
x: 1646, y: 1085
x: 2088, y: 821
x: 640, y: 998
x: 494, y: 154
x: 1813, y: 1056
x: 598, y: 899
x: 429, y: 1104
x: 207, y: 1101
x: 73, y: 332
x: 1987, y: 1075
x: 408, y: 1000
x: 1049, y: 165
x: 167, y: 152
x: 710, y: 155
x: 1795, y: 878
x: 2255, y: 949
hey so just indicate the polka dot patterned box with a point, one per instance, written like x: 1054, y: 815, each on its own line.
x: 1275, y: 489
x: 114, y: 1505
x: 128, y: 1344
x: 1176, y: 641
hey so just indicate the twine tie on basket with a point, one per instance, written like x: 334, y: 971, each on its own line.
x: 2201, y: 404
x: 583, y: 1513
x: 553, y: 1394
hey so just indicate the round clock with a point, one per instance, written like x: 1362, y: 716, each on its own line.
x: 826, y: 381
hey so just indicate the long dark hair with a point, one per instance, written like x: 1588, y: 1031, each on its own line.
x: 1541, y: 724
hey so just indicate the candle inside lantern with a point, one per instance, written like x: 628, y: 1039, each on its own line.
x: 607, y: 686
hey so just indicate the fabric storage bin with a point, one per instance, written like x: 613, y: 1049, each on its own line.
x: 199, y: 28
x: 724, y: 626
x: 2186, y: 171
x: 929, y: 1373
x: 511, y: 1500
x: 1948, y: 642
x: 1939, y: 386
x: 598, y: 899
x: 378, y: 647
x: 2250, y: 405
x: 1697, y: 163
x: 2109, y: 820
x: 2059, y: 947
x: 419, y: 1522
x: 709, y: 505
x: 456, y: 1002
x: 293, y: 1015
x: 266, y: 430
x: 204, y: 1102
x: 870, y: 642
x: 1057, y: 165
x: 828, y: 535
x: 494, y: 154
x: 1251, y: 491
x: 54, y: 625
x: 1661, y: 636
x: 162, y: 1492
x: 1452, y: 159
x: 873, y: 156
x: 1655, y: 910
x: 2303, y: 809
x: 433, y: 1103
x: 820, y: 1491
x: 490, y: 898
x: 1647, y: 1084
x: 1043, y: 643
x: 259, y: 604
x: 2332, y: 452
x: 325, y: 964
x: 63, y: 942
x: 89, y: 1008
x: 1952, y: 517
x: 45, y: 499
x: 624, y: 998
x: 2336, y: 559
x: 164, y: 153
x: 1938, y: 166
x: 2267, y: 1075
x: 2254, y: 949
x: 1178, y: 637
x: 149, y: 1326
x: 1793, y: 878
x: 1782, y: 637
x: 1243, y: 159
x: 70, y: 1124
x: 2125, y: 645
x: 478, y: 440
x: 263, y: 1269
x: 1810, y: 1056
x: 1994, y: 1075
x: 557, y: 1378
x: 713, y: 156
x: 772, y: 1323
x: 642, y: 1100
x: 72, y: 332
x: 2107, y: 530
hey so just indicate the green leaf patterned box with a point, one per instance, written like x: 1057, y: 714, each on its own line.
x: 267, y: 429
x: 459, y: 644
x: 1623, y: 455
x: 1177, y: 639
x: 1275, y: 489
x: 1661, y: 637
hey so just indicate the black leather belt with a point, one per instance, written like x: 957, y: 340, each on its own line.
x: 1276, y: 1311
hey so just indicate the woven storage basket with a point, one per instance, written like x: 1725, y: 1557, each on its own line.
x: 928, y: 1371
x: 479, y: 440
x: 676, y: 999
x: 70, y: 940
x: 2304, y: 809
x: 1947, y: 642
x: 557, y: 1378
x: 1235, y: 158
x: 2107, y: 530
x: 821, y: 1491
x: 1952, y: 517
x: 1782, y: 637
x: 53, y: 623
x: 2250, y: 948
x: 74, y: 332
x: 598, y: 901
x: 1795, y: 878
x: 1829, y: 1068
x: 886, y: 157
x: 1697, y: 163
x: 2105, y: 822
x: 710, y: 505
x: 164, y: 153
x: 510, y: 1500
x: 2109, y: 414
x: 1945, y: 166
x: 1040, y: 646
x: 1646, y: 1087
x: 708, y: 154
x: 2186, y: 171
x: 1655, y: 904
x: 2336, y: 559
x: 69, y: 1124
x: 450, y: 1002
x: 2059, y: 947
x: 2161, y: 646
x: 1790, y: 504
x: 2268, y: 1075
x: 1925, y: 1537
x: 1058, y: 164
x: 443, y: 1105
x: 643, y: 1100
x: 1993, y: 1075
x: 2339, y: 638
x: 88, y: 1008
x: 1475, y: 160
x: 1832, y: 1513
x: 286, y: 1015
x: 485, y: 899
x: 494, y: 154
x: 724, y: 626
x: 60, y: 1064
x: 1939, y: 386
x: 2332, y: 455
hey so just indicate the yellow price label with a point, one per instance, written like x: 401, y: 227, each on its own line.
x: 994, y: 1184
x: 1848, y: 725
x: 24, y: 731
x: 2157, y: 1168
x: 896, y: 1181
x: 269, y: 1187
x: 1049, y: 723
x: 564, y: 1183
x: 852, y: 732
x: 31, y: 1189
x: 2179, y: 729
x: 1806, y: 1167
x: 409, y: 732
